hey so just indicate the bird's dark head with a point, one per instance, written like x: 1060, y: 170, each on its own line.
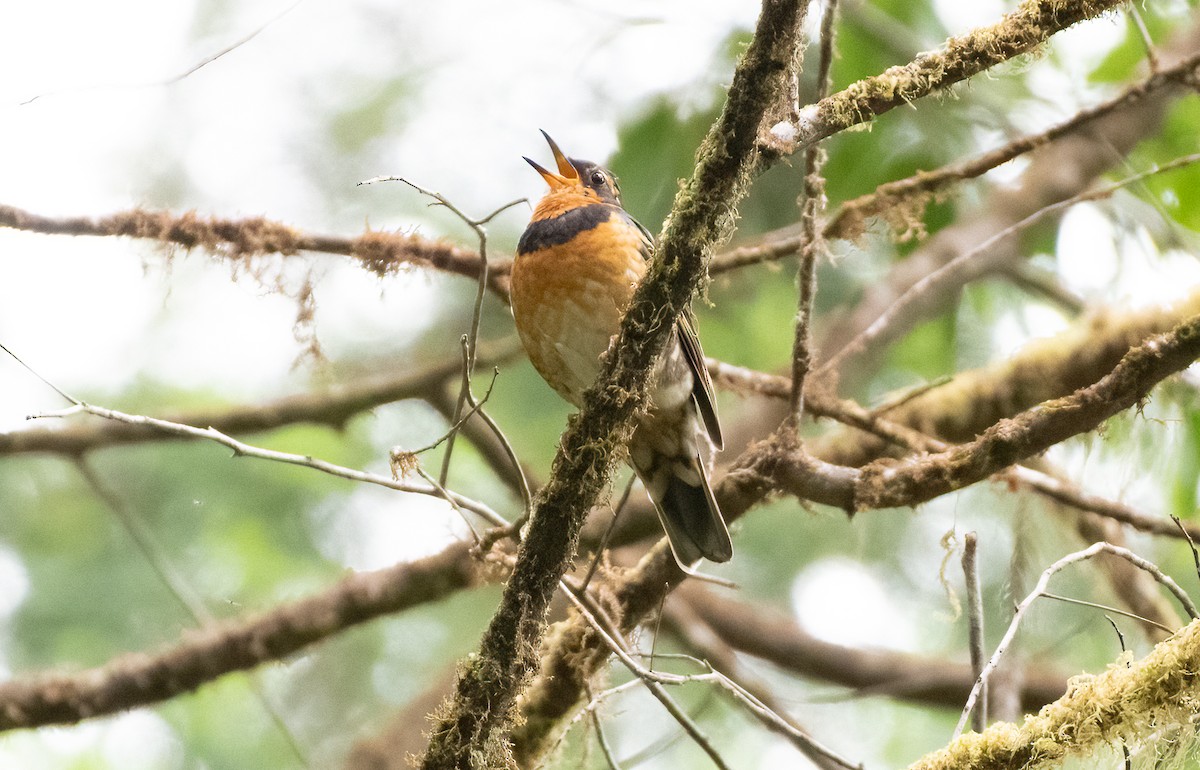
x: 590, y: 179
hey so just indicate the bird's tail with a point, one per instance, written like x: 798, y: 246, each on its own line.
x: 691, y: 517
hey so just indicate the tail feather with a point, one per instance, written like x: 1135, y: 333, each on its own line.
x: 693, y: 521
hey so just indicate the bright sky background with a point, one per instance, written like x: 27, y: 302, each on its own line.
x: 242, y: 136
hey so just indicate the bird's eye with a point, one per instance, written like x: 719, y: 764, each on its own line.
x: 598, y: 177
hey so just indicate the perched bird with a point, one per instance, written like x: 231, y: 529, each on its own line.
x: 577, y: 266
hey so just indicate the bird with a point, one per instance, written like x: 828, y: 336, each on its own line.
x: 574, y: 274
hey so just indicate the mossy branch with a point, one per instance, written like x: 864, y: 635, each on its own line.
x: 1020, y: 32
x: 472, y: 730
x: 1130, y: 702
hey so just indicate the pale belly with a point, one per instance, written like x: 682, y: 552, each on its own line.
x: 567, y: 316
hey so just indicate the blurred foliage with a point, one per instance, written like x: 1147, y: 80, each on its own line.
x: 247, y: 534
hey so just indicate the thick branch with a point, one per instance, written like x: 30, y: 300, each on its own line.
x: 139, y: 678
x: 886, y: 483
x: 473, y: 731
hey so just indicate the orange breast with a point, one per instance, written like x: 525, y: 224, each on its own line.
x: 568, y: 299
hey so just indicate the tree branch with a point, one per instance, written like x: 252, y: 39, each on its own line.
x: 1019, y: 32
x: 243, y: 240
x: 138, y: 679
x: 1129, y: 702
x: 334, y: 406
x: 472, y: 732
x: 776, y: 465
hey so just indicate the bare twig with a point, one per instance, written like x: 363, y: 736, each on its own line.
x: 471, y: 338
x: 242, y: 449
x: 209, y: 59
x: 970, y: 565
x: 653, y: 681
x: 1040, y: 590
x: 1107, y: 608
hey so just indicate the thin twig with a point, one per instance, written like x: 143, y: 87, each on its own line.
x: 616, y: 509
x: 1040, y: 590
x: 652, y: 680
x: 179, y: 587
x: 242, y: 449
x: 471, y: 338
x: 209, y: 59
x: 948, y: 271
x: 1108, y: 608
x: 812, y: 206
x: 970, y: 565
x: 1135, y: 16
x: 510, y: 453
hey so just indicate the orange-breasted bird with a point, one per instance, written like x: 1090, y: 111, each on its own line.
x: 577, y: 266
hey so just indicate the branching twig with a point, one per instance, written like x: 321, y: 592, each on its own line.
x: 1040, y: 590
x: 471, y: 338
x: 653, y: 681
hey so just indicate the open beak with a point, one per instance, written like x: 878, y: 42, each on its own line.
x: 564, y: 166
x: 555, y: 181
x: 567, y: 176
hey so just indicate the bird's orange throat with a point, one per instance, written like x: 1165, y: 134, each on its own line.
x: 558, y: 202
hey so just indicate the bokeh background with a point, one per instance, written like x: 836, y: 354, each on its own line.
x: 103, y: 107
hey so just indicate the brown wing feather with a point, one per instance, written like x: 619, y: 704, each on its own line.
x: 685, y: 330
x: 702, y: 387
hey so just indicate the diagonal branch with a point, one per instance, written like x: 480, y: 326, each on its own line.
x: 776, y: 465
x: 473, y: 730
x: 1019, y: 32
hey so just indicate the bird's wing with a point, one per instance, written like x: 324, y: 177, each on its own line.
x: 702, y: 387
x: 689, y: 341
